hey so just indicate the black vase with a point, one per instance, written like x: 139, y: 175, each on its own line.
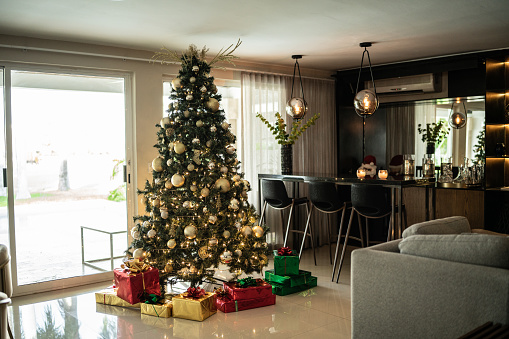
x: 286, y: 159
x: 430, y: 148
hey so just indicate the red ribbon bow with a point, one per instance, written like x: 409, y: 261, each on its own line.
x: 195, y: 293
x: 284, y: 251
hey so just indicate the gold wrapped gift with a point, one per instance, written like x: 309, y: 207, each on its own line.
x: 109, y: 297
x: 194, y: 309
x: 157, y: 310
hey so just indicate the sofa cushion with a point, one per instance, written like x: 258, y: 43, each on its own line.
x: 449, y: 225
x: 469, y: 248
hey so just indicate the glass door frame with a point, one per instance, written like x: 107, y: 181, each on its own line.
x: 130, y: 154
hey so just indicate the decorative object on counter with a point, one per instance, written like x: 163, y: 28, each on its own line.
x: 297, y: 106
x: 286, y: 140
x: 433, y: 134
x: 409, y: 165
x: 470, y: 175
x: 428, y: 166
x: 458, y: 119
x: 446, y: 170
x: 383, y: 174
x: 368, y: 165
x: 500, y: 149
x: 361, y: 173
x: 396, y: 165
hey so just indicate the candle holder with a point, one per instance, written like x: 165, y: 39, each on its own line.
x: 383, y: 174
x: 361, y: 173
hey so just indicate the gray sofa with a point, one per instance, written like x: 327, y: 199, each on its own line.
x: 440, y: 281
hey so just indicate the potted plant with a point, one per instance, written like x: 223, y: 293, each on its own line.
x: 286, y: 140
x: 433, y: 134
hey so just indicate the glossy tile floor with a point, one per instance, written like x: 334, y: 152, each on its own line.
x: 322, y: 312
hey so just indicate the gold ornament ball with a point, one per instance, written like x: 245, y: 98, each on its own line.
x: 246, y: 231
x: 238, y: 253
x: 226, y: 234
x: 193, y: 188
x: 252, y: 219
x: 175, y: 83
x: 199, y: 123
x: 213, y: 104
x: 230, y: 150
x: 258, y: 231
x: 136, y: 235
x: 205, y: 192
x: 171, y: 243
x: 157, y: 164
x: 179, y: 147
x: 222, y: 184
x: 190, y: 167
x: 224, y: 125
x: 139, y: 253
x: 187, y: 113
x: 177, y: 180
x: 212, y: 242
x: 152, y: 233
x: 164, y: 121
x: 156, y: 202
x: 164, y: 213
x: 168, y: 268
x: 190, y: 231
x: 192, y: 80
x: 224, y: 169
x: 209, y: 143
x: 236, y: 178
x: 189, y: 97
x: 168, y: 184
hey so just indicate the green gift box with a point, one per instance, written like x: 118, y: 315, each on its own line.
x: 286, y: 264
x: 285, y: 280
x: 285, y: 290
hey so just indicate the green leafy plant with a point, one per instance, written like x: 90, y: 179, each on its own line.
x: 278, y: 129
x: 479, y: 147
x: 434, y: 132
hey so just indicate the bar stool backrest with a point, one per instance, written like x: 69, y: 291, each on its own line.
x: 325, y: 197
x: 5, y: 271
x: 274, y: 192
x: 370, y: 200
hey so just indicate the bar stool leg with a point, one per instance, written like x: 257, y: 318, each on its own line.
x: 338, y: 242
x: 330, y: 235
x: 306, y: 232
x: 345, y: 244
x: 289, y: 223
x: 361, y: 235
x: 312, y: 238
x: 263, y: 213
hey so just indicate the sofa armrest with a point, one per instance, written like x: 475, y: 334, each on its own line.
x: 402, y: 296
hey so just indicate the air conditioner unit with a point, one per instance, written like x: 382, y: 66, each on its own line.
x: 423, y: 83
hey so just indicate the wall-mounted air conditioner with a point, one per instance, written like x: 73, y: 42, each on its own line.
x: 423, y: 83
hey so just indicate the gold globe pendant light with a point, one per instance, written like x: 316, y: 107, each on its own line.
x: 458, y: 119
x: 297, y: 107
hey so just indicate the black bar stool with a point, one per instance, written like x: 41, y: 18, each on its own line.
x: 275, y: 195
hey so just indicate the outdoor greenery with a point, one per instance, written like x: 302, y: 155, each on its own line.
x: 278, y: 129
x: 434, y: 132
x: 479, y: 147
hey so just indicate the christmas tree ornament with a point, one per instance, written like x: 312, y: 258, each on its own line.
x: 212, y: 219
x: 246, y: 231
x: 202, y: 252
x: 238, y: 253
x: 179, y: 147
x: 190, y: 231
x: 189, y: 97
x: 169, y: 131
x: 213, y: 129
x: 225, y: 125
x: 190, y: 167
x: 258, y: 231
x: 168, y: 268
x: 136, y: 235
x: 157, y: 181
x: 193, y: 270
x: 152, y: 233
x: 186, y: 204
x: 199, y: 123
x: 243, y: 194
x: 146, y: 224
x: 226, y: 234
x: 169, y: 162
x: 224, y: 169
x: 187, y: 113
x: 156, y: 202
x: 205, y: 209
x: 226, y: 257
x: 164, y: 121
x: 176, y: 84
x: 157, y: 164
x: 171, y: 243
x: 168, y: 184
x: 213, y: 89
x: 205, y: 192
x: 192, y: 80
x: 177, y: 180
x: 139, y: 253
x: 252, y: 219
x: 193, y: 188
x: 236, y: 178
x: 209, y: 143
x: 211, y: 165
x: 238, y: 225
x: 223, y: 185
x: 212, y: 242
x: 196, y: 141
x: 196, y: 68
x: 203, y: 89
x: 230, y: 150
x: 164, y: 213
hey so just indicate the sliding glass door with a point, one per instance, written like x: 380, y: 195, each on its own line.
x: 70, y: 176
x: 4, y: 220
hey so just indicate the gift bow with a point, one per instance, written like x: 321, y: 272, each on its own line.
x: 284, y: 251
x: 135, y: 266
x: 195, y: 293
x: 221, y: 293
x: 153, y: 299
x: 246, y: 282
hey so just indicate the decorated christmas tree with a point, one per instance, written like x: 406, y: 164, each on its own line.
x: 197, y: 213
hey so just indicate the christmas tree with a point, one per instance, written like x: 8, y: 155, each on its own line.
x: 197, y: 213
x: 479, y: 147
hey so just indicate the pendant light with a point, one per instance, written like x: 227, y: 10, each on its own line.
x: 297, y: 106
x: 458, y: 119
x: 365, y: 101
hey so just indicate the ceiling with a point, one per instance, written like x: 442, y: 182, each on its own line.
x: 326, y: 32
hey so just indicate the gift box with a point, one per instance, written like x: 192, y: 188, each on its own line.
x: 226, y: 304
x: 285, y: 290
x: 160, y: 310
x: 109, y: 297
x: 197, y: 309
x: 286, y: 264
x: 132, y: 286
x: 261, y: 289
x: 285, y: 280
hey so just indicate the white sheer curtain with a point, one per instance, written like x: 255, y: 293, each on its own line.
x: 425, y: 113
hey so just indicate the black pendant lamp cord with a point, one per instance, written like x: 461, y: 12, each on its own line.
x: 363, y: 138
x: 360, y: 71
x: 300, y: 79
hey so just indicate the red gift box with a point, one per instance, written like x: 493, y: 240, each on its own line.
x: 261, y: 290
x: 226, y: 304
x: 131, y: 286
